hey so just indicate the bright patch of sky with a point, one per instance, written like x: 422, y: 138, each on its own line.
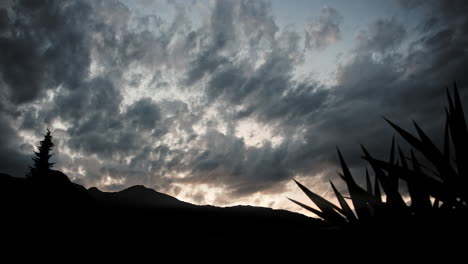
x: 356, y: 17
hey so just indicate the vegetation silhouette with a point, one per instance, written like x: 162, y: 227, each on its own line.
x: 42, y: 166
x: 437, y: 186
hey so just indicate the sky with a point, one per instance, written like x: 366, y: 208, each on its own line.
x: 222, y: 102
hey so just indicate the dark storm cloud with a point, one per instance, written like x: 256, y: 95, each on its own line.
x: 44, y: 45
x: 238, y: 82
x: 228, y: 22
x: 99, y: 128
x: 11, y: 150
x: 4, y: 20
x: 143, y: 114
x: 221, y: 35
x: 98, y: 96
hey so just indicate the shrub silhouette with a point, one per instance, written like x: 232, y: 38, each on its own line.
x: 439, y: 186
x: 41, y: 158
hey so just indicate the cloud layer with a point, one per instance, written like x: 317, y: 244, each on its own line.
x: 213, y: 97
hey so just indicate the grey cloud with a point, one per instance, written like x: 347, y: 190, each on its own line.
x: 227, y: 21
x: 411, y: 3
x: 221, y: 36
x: 99, y: 127
x: 4, y: 20
x: 206, y: 62
x: 13, y: 159
x: 257, y: 21
x: 199, y: 197
x: 429, y: 24
x: 143, y: 48
x: 45, y: 42
x: 238, y: 83
x: 451, y: 10
x: 283, y: 100
x: 98, y: 96
x: 143, y: 114
x: 241, y: 169
x: 323, y: 31
x: 222, y: 27
x: 29, y: 119
x: 383, y: 35
x: 294, y: 107
x: 230, y: 82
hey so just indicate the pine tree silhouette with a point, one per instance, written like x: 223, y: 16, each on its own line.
x: 42, y: 165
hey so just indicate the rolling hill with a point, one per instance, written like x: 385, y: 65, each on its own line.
x: 55, y: 203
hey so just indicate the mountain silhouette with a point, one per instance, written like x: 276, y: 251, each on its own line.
x: 54, y: 204
x: 64, y: 212
x: 136, y: 196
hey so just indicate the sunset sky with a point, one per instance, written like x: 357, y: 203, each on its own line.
x: 222, y: 102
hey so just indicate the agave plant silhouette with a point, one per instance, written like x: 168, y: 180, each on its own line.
x: 440, y: 185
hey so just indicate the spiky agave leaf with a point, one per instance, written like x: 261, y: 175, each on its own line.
x: 392, y: 151
x: 392, y: 178
x: 420, y: 199
x: 389, y: 183
x: 368, y: 182
x: 447, y: 137
x: 374, y: 191
x: 459, y: 133
x: 328, y: 209
x: 429, y: 150
x: 310, y: 209
x: 361, y: 199
x: 402, y: 158
x: 446, y: 172
x: 456, y: 129
x: 346, y: 209
x: 377, y: 192
x: 436, y: 188
x: 412, y: 140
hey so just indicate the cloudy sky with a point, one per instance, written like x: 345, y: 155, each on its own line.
x: 221, y: 102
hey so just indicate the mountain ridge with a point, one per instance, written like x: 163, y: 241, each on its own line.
x: 136, y: 195
x: 139, y: 210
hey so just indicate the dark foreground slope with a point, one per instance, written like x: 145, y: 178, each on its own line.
x: 54, y: 206
x: 54, y: 212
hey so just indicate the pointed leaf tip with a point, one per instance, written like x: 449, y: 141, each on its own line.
x: 308, y: 208
x: 329, y: 210
x: 346, y: 209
